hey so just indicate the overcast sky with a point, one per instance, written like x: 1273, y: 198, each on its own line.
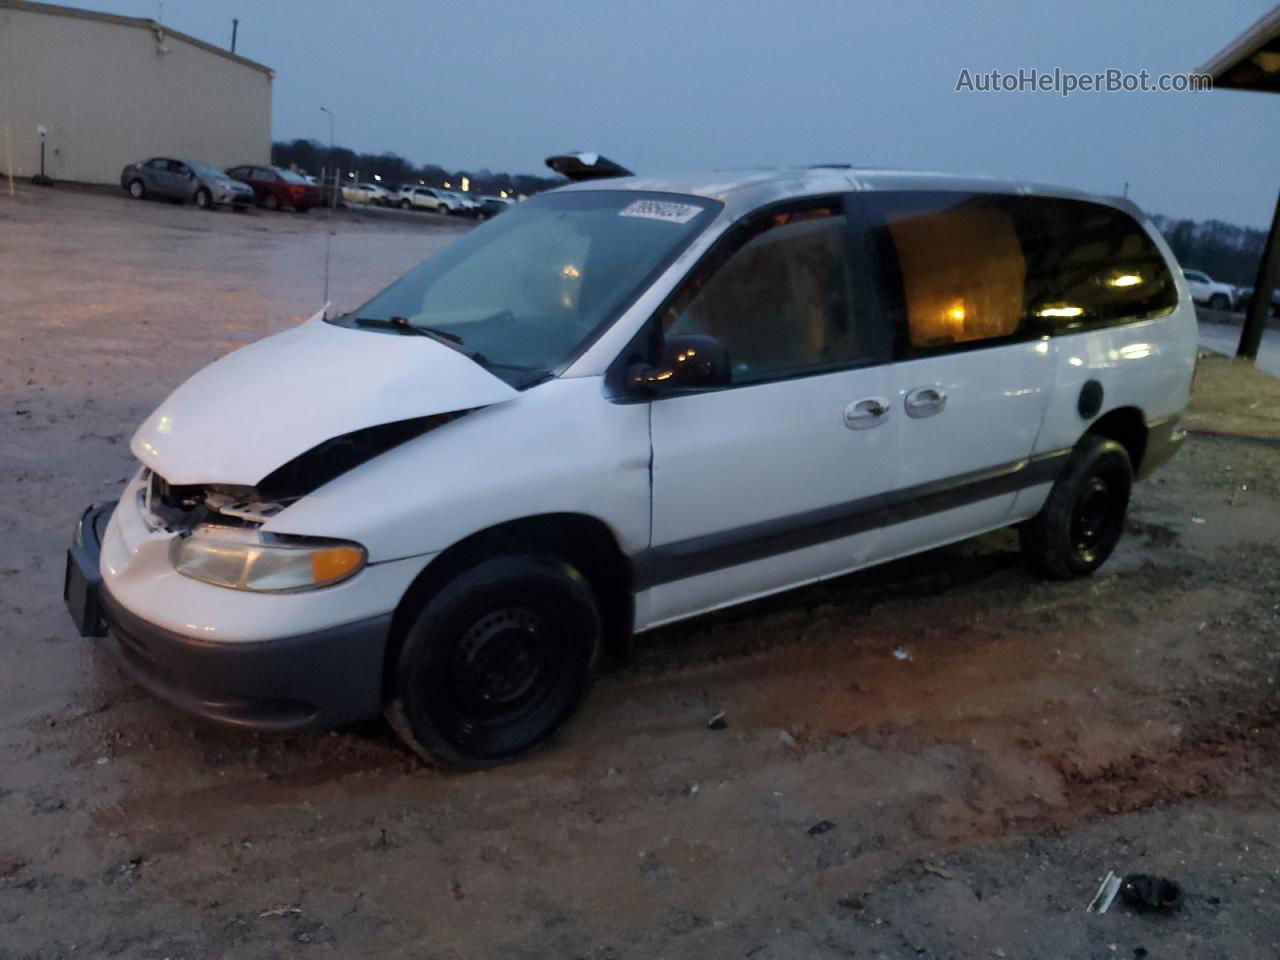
x: 666, y: 85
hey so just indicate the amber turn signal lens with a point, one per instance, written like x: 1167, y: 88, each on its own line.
x: 335, y: 563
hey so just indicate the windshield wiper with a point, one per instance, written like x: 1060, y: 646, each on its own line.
x: 402, y: 325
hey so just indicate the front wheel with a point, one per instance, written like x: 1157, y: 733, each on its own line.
x: 271, y: 202
x: 137, y: 190
x: 203, y: 200
x: 1083, y: 517
x: 495, y: 661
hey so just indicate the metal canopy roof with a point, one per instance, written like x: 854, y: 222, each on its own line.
x: 159, y: 29
x: 1252, y: 60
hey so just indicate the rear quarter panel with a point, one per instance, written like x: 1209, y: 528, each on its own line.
x: 1145, y: 365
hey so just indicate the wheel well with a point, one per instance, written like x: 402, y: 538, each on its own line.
x: 585, y: 542
x: 1126, y: 426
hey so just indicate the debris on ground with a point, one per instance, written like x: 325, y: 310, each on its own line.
x: 718, y: 722
x: 281, y: 912
x: 1144, y: 892
x: 937, y: 871
x: 901, y: 653
x: 821, y: 827
x: 1106, y: 894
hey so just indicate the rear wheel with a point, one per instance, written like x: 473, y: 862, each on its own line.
x: 404, y: 204
x: 271, y: 203
x: 1220, y: 301
x: 495, y: 661
x: 1083, y: 517
x: 137, y: 190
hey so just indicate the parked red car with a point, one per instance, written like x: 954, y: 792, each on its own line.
x: 276, y: 188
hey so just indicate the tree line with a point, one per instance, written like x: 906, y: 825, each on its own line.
x: 311, y: 156
x: 1224, y: 251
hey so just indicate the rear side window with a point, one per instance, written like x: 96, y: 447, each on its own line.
x: 1092, y: 265
x: 961, y: 264
x: 964, y: 269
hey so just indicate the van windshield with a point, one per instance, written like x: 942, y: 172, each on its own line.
x: 526, y: 292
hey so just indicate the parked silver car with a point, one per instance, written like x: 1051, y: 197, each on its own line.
x: 202, y: 183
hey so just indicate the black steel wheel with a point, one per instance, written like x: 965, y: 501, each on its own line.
x: 1083, y: 517
x: 495, y: 661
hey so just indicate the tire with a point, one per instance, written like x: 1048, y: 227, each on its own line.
x: 203, y: 200
x: 1220, y: 301
x: 404, y: 204
x: 495, y: 661
x: 137, y: 190
x: 301, y: 209
x: 1083, y: 518
x: 271, y: 203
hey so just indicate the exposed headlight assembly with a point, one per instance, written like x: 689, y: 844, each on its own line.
x: 243, y: 559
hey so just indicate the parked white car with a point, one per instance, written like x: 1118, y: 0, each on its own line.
x: 461, y: 204
x: 621, y: 404
x: 421, y: 198
x: 1204, y: 289
x: 368, y: 193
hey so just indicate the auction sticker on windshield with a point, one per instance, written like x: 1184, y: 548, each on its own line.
x: 661, y: 210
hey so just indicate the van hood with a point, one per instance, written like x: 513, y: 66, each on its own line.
x: 257, y: 408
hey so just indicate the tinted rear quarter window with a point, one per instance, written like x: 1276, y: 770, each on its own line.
x: 966, y: 269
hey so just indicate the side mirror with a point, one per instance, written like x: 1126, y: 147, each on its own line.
x: 690, y: 361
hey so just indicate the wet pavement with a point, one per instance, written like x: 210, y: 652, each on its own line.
x: 1226, y: 339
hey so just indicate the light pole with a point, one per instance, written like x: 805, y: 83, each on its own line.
x: 335, y: 174
x: 333, y: 200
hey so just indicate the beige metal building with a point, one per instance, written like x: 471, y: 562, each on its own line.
x: 112, y: 90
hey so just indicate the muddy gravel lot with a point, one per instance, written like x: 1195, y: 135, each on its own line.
x: 937, y: 758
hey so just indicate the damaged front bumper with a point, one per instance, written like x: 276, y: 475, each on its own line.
x: 321, y: 678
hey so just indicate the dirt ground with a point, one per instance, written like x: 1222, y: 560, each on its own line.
x: 961, y: 803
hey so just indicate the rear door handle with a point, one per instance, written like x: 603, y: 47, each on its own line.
x: 925, y: 402
x: 865, y: 414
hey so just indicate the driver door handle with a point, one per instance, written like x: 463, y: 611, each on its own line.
x: 865, y: 414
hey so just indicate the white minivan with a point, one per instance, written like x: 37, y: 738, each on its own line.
x: 627, y: 402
